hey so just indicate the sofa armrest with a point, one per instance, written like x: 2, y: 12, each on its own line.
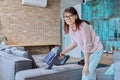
x: 65, y: 72
x: 10, y: 64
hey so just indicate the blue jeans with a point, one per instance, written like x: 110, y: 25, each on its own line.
x: 93, y: 63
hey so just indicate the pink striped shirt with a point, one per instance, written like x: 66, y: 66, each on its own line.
x: 85, y: 38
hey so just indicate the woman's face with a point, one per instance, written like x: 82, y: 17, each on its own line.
x: 70, y: 18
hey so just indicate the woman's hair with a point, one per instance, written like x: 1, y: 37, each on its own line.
x: 73, y: 11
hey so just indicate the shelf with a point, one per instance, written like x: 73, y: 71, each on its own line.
x: 115, y: 44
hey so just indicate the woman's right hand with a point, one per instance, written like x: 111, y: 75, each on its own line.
x: 61, y: 55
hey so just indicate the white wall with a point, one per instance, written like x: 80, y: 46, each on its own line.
x: 66, y: 38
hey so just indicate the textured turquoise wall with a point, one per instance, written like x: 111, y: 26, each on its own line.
x: 104, y: 15
x: 87, y: 11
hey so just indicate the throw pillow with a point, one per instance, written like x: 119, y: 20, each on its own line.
x: 3, y: 47
x: 7, y: 50
x: 20, y: 48
x: 110, y: 71
x: 17, y: 52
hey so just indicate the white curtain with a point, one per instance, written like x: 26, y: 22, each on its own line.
x: 38, y: 3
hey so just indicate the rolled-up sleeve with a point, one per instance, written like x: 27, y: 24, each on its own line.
x: 86, y: 37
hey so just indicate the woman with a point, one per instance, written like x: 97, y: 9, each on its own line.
x: 84, y: 36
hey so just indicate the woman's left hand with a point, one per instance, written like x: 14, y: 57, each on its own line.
x: 85, y: 69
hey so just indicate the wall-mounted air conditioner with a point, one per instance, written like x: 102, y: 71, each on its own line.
x: 37, y: 3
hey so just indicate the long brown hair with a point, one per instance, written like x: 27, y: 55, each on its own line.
x: 73, y: 11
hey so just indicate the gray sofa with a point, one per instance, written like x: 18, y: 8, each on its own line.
x: 117, y: 65
x: 17, y: 68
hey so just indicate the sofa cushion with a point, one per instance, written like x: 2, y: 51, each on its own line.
x: 39, y: 60
x: 24, y: 54
x: 69, y: 71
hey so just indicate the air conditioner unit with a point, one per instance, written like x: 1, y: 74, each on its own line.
x: 37, y: 3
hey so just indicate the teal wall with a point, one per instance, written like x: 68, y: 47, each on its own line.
x: 104, y: 15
